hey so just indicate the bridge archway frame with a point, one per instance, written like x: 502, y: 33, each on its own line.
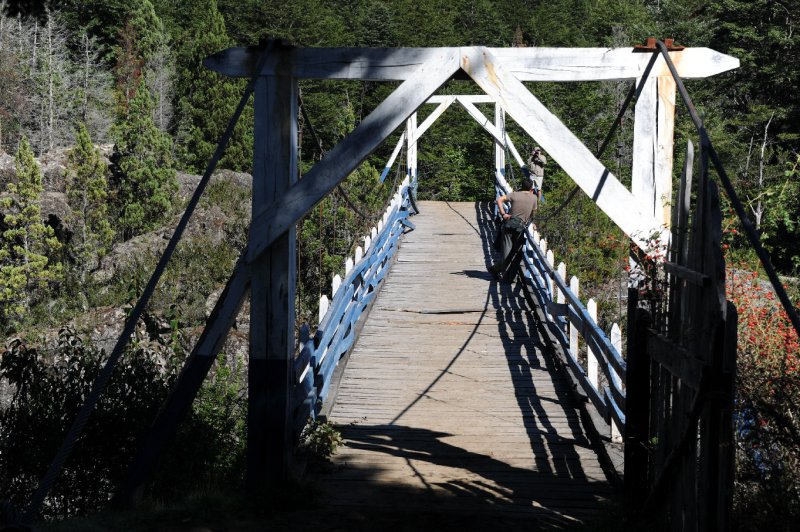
x: 500, y: 72
x: 280, y: 200
x: 266, y: 267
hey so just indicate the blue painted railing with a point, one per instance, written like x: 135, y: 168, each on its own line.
x: 568, y: 319
x: 336, y: 333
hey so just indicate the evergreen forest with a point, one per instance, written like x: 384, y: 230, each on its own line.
x: 107, y: 119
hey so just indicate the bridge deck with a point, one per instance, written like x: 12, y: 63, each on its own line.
x: 449, y: 402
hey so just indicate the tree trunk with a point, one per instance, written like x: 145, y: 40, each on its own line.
x: 758, y: 212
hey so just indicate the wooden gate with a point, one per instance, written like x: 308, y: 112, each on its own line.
x: 679, y: 452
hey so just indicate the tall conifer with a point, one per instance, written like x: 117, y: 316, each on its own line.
x: 208, y: 100
x: 25, y: 268
x: 143, y: 167
x: 87, y: 194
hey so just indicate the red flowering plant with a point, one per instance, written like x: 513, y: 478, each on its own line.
x: 768, y: 400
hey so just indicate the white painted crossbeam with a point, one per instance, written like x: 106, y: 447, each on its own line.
x: 278, y: 216
x: 561, y: 144
x: 526, y: 64
x: 395, y: 152
x: 490, y: 128
x: 597, y: 64
x: 431, y: 118
x: 471, y: 98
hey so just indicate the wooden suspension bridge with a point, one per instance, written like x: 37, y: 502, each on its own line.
x: 456, y: 392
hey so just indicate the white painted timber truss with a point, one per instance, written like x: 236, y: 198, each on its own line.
x: 500, y: 73
x: 280, y: 199
x: 496, y: 129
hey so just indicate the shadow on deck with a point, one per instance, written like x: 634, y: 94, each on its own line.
x: 455, y: 409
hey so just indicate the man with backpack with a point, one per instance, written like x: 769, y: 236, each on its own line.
x: 515, y: 221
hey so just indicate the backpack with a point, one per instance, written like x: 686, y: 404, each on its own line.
x: 514, y: 226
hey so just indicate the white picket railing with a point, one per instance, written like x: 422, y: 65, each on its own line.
x: 596, y: 362
x: 350, y: 297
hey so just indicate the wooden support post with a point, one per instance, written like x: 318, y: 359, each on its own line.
x: 411, y: 151
x: 653, y: 131
x: 592, y: 361
x: 665, y: 142
x: 644, y: 146
x: 551, y: 261
x: 725, y: 388
x: 499, y: 146
x: 272, y: 287
x: 616, y: 341
x: 561, y: 297
x: 637, y: 401
x: 574, y: 286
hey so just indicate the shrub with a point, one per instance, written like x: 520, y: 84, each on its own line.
x: 48, y: 388
x: 768, y: 404
x: 319, y: 441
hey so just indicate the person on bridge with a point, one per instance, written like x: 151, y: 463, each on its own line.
x: 536, y: 164
x: 515, y: 221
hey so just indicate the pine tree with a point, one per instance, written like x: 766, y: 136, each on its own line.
x: 25, y: 269
x: 87, y: 192
x: 144, y: 169
x: 208, y: 100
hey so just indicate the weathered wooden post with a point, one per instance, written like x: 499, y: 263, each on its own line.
x: 653, y: 138
x: 411, y: 151
x: 273, y: 280
x: 637, y: 414
x: 499, y: 147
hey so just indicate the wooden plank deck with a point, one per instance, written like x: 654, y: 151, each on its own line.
x: 448, y: 403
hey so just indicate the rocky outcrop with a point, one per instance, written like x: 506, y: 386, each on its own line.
x: 7, y: 168
x: 53, y: 165
x: 187, y: 183
x: 55, y: 212
x: 209, y: 222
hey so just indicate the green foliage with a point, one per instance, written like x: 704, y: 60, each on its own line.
x: 768, y: 405
x: 47, y: 390
x: 27, y: 243
x: 207, y: 99
x: 144, y: 175
x: 319, y: 441
x: 140, y: 39
x: 213, y: 435
x: 332, y: 231
x: 87, y: 193
x: 148, y: 28
x: 303, y: 22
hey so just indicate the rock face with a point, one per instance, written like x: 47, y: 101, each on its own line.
x: 187, y: 183
x: 7, y: 169
x: 53, y: 165
x: 209, y: 223
x: 101, y: 325
x: 55, y: 212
